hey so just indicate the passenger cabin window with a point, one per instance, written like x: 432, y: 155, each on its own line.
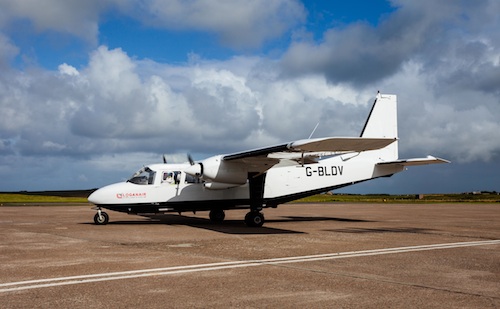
x: 144, y: 176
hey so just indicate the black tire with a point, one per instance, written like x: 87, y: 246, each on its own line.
x: 217, y: 215
x: 102, y: 220
x: 254, y: 219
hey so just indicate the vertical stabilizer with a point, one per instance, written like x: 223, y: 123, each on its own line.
x: 382, y: 122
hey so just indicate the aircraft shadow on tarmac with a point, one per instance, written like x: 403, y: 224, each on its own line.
x: 411, y: 230
x: 230, y: 226
x: 310, y: 219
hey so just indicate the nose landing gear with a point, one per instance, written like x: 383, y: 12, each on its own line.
x: 101, y: 218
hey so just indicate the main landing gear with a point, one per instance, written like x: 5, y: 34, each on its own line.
x: 101, y: 218
x: 254, y: 219
x: 256, y: 183
x: 217, y: 215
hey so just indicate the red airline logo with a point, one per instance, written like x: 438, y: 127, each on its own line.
x: 131, y: 195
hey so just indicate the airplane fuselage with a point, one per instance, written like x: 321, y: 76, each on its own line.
x: 282, y: 183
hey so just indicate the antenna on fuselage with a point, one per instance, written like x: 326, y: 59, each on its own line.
x: 314, y: 130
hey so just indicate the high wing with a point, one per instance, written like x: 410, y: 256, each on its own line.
x: 304, y: 151
x: 327, y: 144
x: 340, y: 144
x: 415, y: 161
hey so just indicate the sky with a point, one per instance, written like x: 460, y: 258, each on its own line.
x: 90, y: 91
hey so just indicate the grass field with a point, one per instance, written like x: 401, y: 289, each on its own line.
x: 72, y: 197
x: 409, y: 198
x: 68, y: 197
x: 13, y: 198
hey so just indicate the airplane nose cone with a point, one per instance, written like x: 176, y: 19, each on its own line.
x: 108, y: 194
x: 95, y: 197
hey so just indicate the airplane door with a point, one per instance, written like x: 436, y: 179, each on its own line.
x: 172, y: 180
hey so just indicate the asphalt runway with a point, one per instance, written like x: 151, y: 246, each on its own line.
x: 305, y: 256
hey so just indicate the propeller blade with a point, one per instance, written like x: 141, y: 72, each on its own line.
x: 190, y: 159
x: 164, y: 159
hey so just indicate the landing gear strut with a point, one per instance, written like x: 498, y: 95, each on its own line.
x: 254, y: 219
x: 217, y: 215
x: 101, y: 218
x: 256, y: 183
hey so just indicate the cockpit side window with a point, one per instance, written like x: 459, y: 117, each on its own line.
x: 151, y: 179
x: 144, y: 176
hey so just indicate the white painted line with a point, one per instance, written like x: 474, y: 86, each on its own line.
x: 52, y: 282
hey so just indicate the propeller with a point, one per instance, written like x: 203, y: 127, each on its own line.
x: 190, y: 159
x: 196, y: 169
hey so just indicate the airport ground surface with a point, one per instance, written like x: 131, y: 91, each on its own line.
x: 341, y: 256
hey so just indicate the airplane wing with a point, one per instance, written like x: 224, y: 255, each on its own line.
x: 415, y: 161
x: 304, y: 151
x: 340, y: 144
x: 328, y: 144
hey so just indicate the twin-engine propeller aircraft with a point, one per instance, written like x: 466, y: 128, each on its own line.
x: 264, y: 177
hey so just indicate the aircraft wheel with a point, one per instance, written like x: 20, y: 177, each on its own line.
x: 102, y: 219
x: 217, y: 215
x: 254, y: 219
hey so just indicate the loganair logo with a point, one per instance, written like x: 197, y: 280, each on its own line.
x: 131, y: 195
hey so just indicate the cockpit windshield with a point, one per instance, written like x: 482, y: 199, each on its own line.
x: 144, y: 176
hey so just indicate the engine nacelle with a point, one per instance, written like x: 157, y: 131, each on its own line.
x: 214, y: 169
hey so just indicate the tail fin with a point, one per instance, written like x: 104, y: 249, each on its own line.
x: 382, y: 122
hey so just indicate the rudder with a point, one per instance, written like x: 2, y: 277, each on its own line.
x: 382, y: 122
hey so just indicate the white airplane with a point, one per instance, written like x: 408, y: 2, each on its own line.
x: 264, y: 177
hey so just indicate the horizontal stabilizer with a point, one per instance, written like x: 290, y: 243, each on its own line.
x: 416, y: 161
x: 340, y: 144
